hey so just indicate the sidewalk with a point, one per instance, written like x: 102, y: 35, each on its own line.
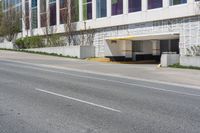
x: 136, y: 71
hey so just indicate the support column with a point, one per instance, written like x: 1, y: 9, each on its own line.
x: 23, y: 18
x: 57, y: 12
x: 144, y: 5
x: 109, y: 8
x: 94, y: 9
x: 125, y: 6
x: 128, y: 48
x: 47, y: 12
x: 155, y: 47
x: 166, y: 3
x: 38, y: 14
x: 80, y: 10
x: 30, y: 18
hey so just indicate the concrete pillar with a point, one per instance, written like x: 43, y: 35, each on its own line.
x: 122, y: 47
x: 126, y: 48
x: 144, y: 5
x: 155, y: 47
x: 129, y: 52
x: 48, y: 13
x: 113, y: 48
x: 94, y: 9
x: 57, y: 12
x: 109, y: 8
x: 23, y: 18
x: 125, y: 6
x: 166, y: 3
x: 30, y: 17
x: 80, y: 10
x: 38, y: 14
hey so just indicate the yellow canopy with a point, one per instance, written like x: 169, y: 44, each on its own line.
x: 121, y: 38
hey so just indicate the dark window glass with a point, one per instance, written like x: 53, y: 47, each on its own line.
x: 134, y: 5
x: 43, y: 17
x: 177, y: 2
x: 117, y: 7
x: 75, y: 10
x: 101, y: 8
x: 34, y: 3
x: 87, y: 9
x: 152, y: 4
x: 34, y: 18
x: 27, y: 25
x: 52, y: 14
x: 34, y: 14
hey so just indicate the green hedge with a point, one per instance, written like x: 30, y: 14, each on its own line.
x: 184, y: 67
x: 30, y: 42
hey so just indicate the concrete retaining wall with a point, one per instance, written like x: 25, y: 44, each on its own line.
x: 169, y: 59
x: 73, y: 51
x: 190, y: 61
x: 7, y: 45
x: 86, y: 51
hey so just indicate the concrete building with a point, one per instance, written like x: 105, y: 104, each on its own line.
x: 124, y: 29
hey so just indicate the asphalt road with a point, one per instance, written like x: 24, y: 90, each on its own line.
x: 37, y: 99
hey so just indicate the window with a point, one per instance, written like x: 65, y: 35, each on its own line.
x: 52, y: 12
x: 63, y: 3
x: 134, y: 5
x: 27, y: 25
x: 101, y: 7
x: 18, y: 10
x: 13, y: 8
x: 34, y: 18
x: 75, y: 10
x: 87, y: 9
x: 117, y: 7
x: 43, y: 14
x: 34, y: 14
x: 5, y: 4
x: 63, y: 10
x: 43, y: 6
x: 177, y: 2
x: 152, y: 4
x: 34, y: 3
x: 64, y: 14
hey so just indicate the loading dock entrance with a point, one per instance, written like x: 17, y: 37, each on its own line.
x: 169, y: 46
x: 137, y: 48
x: 153, y: 49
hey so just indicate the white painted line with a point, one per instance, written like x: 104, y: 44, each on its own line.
x: 78, y: 100
x: 105, y: 74
x: 114, y: 81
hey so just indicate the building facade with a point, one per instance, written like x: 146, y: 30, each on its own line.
x: 124, y: 29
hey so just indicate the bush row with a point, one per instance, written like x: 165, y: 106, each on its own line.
x: 30, y: 42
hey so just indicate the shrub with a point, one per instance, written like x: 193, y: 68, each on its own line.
x: 184, y: 67
x: 29, y: 42
x: 20, y: 43
x: 56, y: 40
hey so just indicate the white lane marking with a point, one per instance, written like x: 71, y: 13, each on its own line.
x: 78, y: 100
x: 105, y: 74
x: 114, y: 81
